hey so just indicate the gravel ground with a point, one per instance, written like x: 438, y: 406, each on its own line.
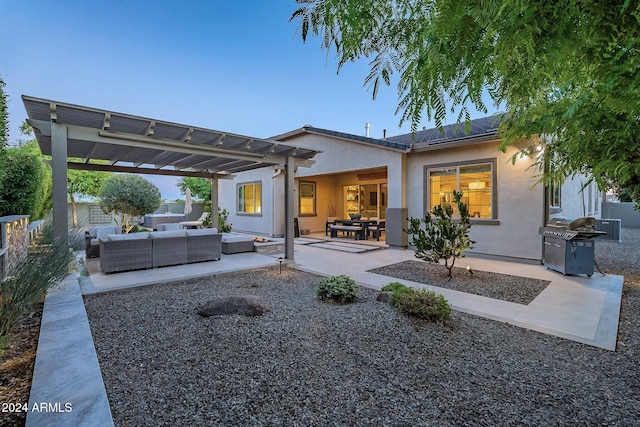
x: 309, y: 363
x: 521, y: 290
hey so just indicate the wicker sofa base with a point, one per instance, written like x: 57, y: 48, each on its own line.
x: 160, y: 249
x: 234, y: 244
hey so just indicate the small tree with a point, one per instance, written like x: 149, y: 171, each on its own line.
x: 128, y: 196
x: 443, y: 237
x: 199, y: 187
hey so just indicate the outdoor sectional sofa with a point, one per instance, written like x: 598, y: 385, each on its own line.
x: 93, y: 236
x: 136, y: 251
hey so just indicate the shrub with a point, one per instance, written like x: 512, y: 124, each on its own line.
x: 4, y: 117
x: 442, y: 238
x: 22, y: 181
x: 223, y: 225
x: 26, y: 283
x: 223, y: 216
x: 342, y: 289
x: 421, y: 303
x: 395, y: 287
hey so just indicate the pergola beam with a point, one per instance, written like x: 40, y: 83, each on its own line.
x: 132, y: 169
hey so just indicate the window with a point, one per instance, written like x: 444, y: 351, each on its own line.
x: 307, y: 198
x: 593, y: 202
x: 476, y: 182
x: 555, y: 196
x: 250, y: 198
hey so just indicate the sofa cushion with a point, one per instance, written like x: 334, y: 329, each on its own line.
x: 227, y: 238
x: 202, y: 231
x: 102, y: 231
x: 169, y: 233
x: 130, y: 236
x: 168, y: 227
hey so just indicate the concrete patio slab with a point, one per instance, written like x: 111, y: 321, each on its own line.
x: 97, y: 281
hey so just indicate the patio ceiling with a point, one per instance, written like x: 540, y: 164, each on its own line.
x: 127, y: 143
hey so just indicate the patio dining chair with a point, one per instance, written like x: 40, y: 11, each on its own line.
x: 194, y: 224
x: 376, y: 229
x: 330, y: 221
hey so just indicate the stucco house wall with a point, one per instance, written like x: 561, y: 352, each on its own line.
x: 336, y: 165
x: 326, y: 202
x: 514, y: 233
x: 518, y: 202
x: 576, y: 202
x: 258, y: 223
x: 340, y: 155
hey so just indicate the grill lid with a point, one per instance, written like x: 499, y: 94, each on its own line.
x: 586, y: 223
x: 571, y: 229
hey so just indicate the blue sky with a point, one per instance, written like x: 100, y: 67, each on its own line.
x: 234, y: 67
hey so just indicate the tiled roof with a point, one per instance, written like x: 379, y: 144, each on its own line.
x: 480, y: 130
x: 484, y: 127
x: 382, y: 142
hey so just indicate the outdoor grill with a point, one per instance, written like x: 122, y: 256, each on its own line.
x: 569, y: 245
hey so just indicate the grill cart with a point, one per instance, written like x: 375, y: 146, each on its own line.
x: 569, y: 245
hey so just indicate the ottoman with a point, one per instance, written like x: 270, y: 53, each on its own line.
x: 236, y: 243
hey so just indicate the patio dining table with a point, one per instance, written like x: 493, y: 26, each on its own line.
x: 362, y: 223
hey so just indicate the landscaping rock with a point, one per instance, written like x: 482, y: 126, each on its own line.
x: 384, y: 297
x: 364, y: 364
x: 245, y: 305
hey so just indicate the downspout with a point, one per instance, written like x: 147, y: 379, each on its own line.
x: 584, y: 207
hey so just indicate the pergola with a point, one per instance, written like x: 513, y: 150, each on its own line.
x: 74, y: 136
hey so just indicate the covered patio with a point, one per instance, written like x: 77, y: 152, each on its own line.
x: 76, y: 137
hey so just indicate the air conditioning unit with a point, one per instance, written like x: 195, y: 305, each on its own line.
x: 612, y: 227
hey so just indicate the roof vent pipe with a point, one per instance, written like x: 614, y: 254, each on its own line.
x: 366, y: 129
x: 384, y: 134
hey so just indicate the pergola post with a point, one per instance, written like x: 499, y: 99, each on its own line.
x: 289, y: 201
x: 59, y: 182
x: 214, y: 202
